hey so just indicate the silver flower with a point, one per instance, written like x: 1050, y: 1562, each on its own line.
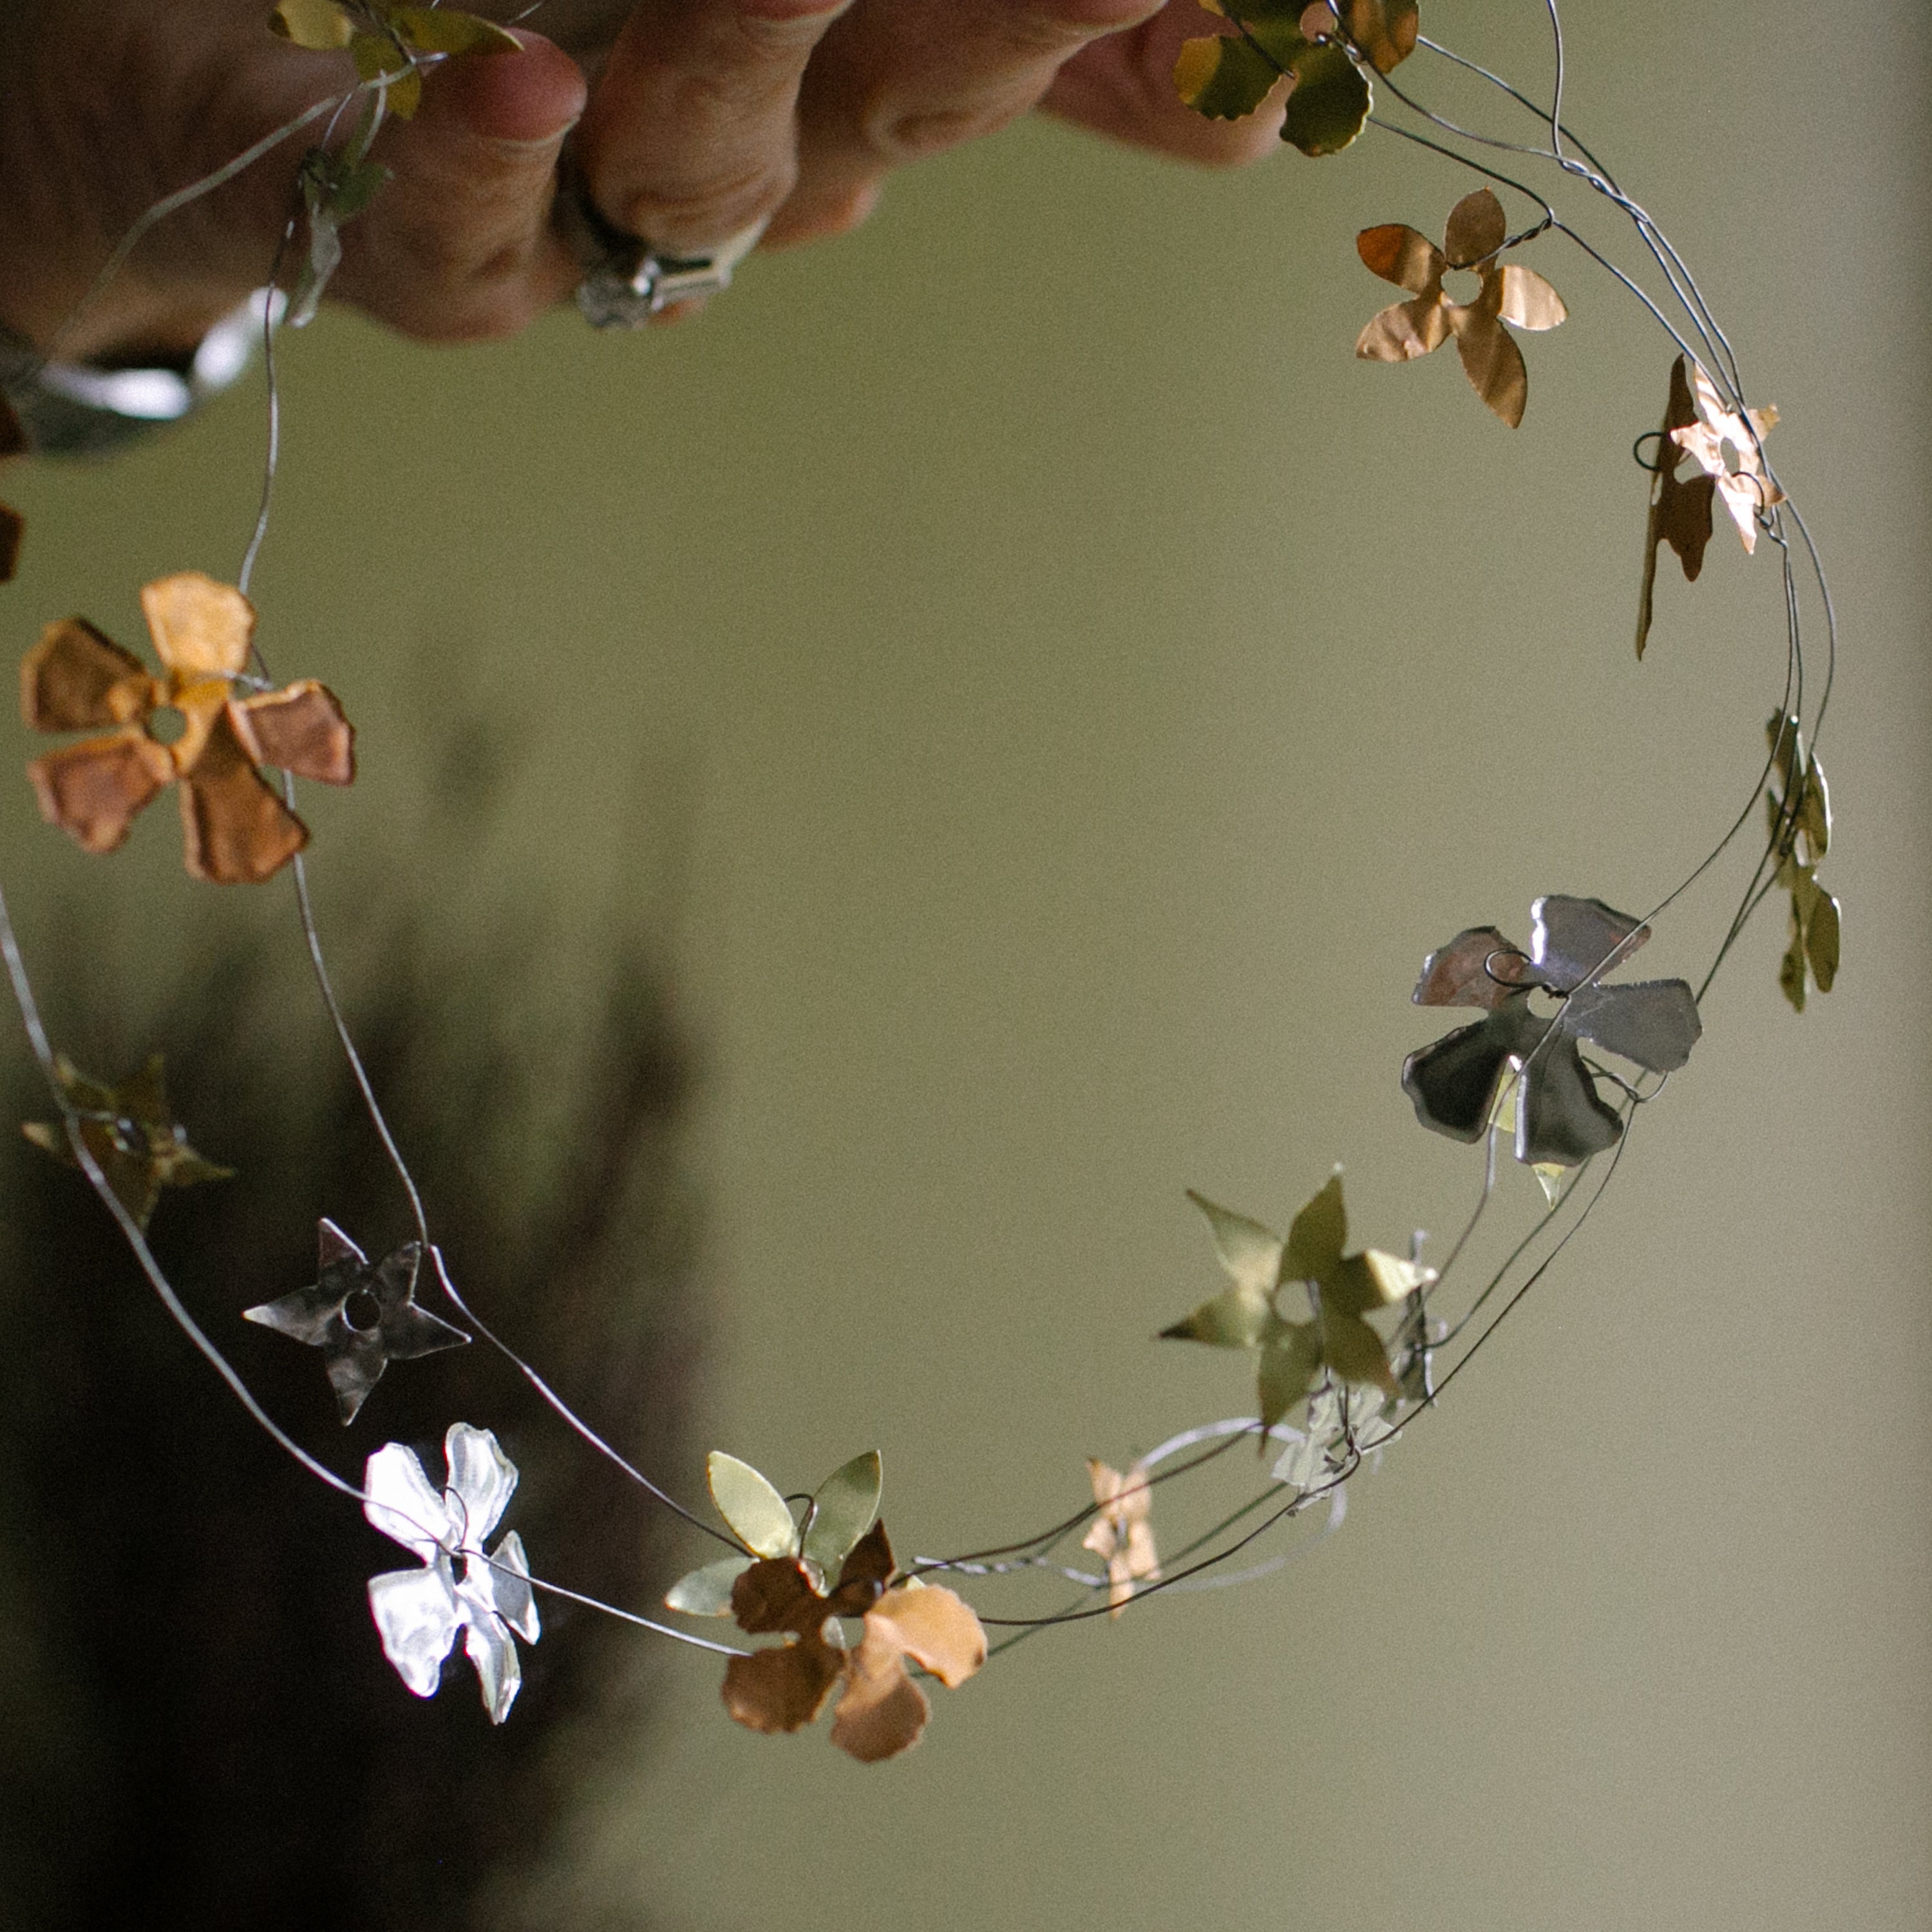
x: 418, y: 1613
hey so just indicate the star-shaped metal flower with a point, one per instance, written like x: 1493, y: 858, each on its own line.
x: 1560, y: 1119
x: 1291, y: 1356
x: 361, y: 1318
x: 132, y: 1134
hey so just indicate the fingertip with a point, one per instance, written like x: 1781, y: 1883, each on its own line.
x: 532, y: 97
x: 822, y: 216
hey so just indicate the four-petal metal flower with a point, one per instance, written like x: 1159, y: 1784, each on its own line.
x: 418, y: 1613
x: 1560, y: 1119
x: 1477, y: 235
x: 361, y: 1318
x: 236, y: 830
x: 132, y: 1133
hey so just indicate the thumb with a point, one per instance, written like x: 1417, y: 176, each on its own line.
x: 458, y: 246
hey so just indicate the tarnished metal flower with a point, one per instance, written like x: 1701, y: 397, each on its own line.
x: 237, y: 830
x: 131, y: 1133
x: 1560, y: 1118
x: 419, y: 1613
x: 362, y: 1317
x: 1505, y: 292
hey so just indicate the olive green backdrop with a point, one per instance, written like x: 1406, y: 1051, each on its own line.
x: 1047, y: 697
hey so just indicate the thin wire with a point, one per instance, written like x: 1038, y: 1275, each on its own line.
x: 130, y: 1229
x: 172, y: 204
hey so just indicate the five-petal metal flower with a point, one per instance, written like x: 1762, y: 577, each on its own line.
x: 132, y: 1133
x: 1122, y: 1535
x: 1798, y: 805
x: 237, y: 830
x: 418, y: 1613
x: 1476, y: 236
x: 1560, y: 1119
x: 1728, y: 448
x: 361, y: 1318
x: 1291, y: 1356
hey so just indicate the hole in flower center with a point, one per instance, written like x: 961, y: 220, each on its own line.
x: 1733, y: 455
x: 167, y: 725
x: 1545, y: 1004
x: 1462, y: 285
x: 362, y: 1311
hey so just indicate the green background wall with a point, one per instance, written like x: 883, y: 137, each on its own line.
x: 1046, y: 697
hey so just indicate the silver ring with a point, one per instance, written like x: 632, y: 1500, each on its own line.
x: 626, y: 281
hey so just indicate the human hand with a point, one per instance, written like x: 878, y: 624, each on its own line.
x: 706, y: 116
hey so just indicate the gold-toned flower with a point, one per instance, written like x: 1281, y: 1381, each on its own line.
x: 1122, y: 1536
x: 132, y: 1134
x: 236, y: 830
x: 1506, y: 293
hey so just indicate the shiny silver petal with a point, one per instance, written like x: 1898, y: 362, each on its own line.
x: 1654, y: 1022
x: 1560, y: 1116
x: 417, y: 1616
x: 1570, y: 939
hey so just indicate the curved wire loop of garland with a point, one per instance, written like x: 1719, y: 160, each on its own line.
x: 1554, y: 1070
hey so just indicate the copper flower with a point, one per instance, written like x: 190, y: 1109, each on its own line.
x: 1507, y: 293
x: 237, y: 830
x: 882, y: 1711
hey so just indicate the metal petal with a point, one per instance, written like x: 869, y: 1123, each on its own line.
x: 510, y: 1597
x: 1477, y: 228
x: 499, y: 1673
x: 76, y: 679
x: 237, y: 832
x: 301, y: 729
x: 200, y: 628
x: 406, y: 1506
x: 1453, y: 1082
x: 1465, y: 973
x: 417, y: 1616
x: 1572, y: 940
x: 1397, y: 253
x: 1560, y: 1118
x: 480, y: 1477
x: 93, y: 790
x: 1654, y: 1022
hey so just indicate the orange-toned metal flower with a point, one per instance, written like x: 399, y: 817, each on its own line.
x: 1506, y: 293
x: 237, y: 830
x: 881, y: 1712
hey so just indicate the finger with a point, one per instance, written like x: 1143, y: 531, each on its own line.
x: 458, y: 246
x: 690, y: 137
x: 896, y: 79
x: 1124, y: 87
